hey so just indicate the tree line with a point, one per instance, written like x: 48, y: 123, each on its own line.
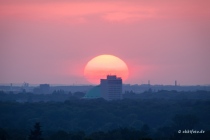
x: 160, y: 118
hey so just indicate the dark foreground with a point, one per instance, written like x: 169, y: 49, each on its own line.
x: 127, y: 119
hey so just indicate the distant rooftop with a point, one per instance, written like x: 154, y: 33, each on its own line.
x: 112, y: 77
x: 93, y: 93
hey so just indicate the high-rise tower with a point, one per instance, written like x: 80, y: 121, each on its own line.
x: 111, y: 88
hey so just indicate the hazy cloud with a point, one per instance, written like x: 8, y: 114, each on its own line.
x: 107, y: 10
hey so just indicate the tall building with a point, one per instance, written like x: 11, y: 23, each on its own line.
x: 111, y: 88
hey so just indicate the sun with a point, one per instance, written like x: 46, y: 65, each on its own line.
x: 101, y: 66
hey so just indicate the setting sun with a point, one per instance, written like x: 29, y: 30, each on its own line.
x: 101, y: 66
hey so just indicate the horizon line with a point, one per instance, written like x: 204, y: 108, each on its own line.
x: 76, y: 84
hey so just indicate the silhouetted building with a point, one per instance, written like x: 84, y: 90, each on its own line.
x: 44, y: 88
x: 111, y: 88
x: 11, y: 87
x: 25, y: 87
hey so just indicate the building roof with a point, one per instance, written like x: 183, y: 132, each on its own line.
x: 93, y: 93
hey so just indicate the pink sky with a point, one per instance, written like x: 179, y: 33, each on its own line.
x: 51, y: 41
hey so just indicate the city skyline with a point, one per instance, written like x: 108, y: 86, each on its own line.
x: 52, y: 41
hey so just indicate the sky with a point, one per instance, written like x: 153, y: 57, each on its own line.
x: 51, y: 41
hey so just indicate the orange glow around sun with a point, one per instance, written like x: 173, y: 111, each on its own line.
x: 101, y: 66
